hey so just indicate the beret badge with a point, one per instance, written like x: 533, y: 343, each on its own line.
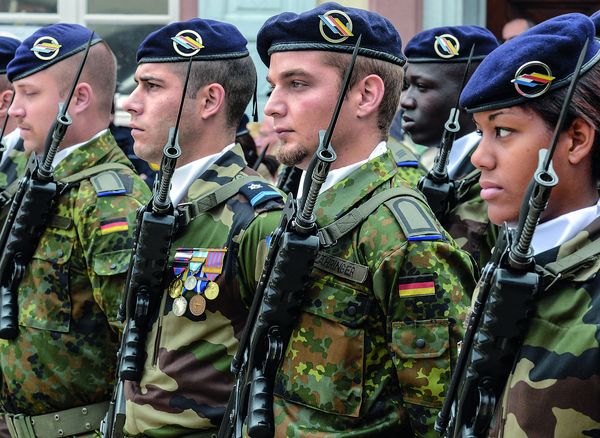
x: 533, y: 79
x: 446, y: 46
x: 335, y: 26
x: 187, y: 43
x: 46, y: 48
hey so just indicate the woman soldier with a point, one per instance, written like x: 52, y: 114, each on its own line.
x: 515, y: 97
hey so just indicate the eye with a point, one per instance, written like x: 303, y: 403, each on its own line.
x: 421, y: 87
x: 502, y: 132
x: 297, y: 84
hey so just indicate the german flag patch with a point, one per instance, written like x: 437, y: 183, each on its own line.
x: 419, y: 286
x: 108, y: 226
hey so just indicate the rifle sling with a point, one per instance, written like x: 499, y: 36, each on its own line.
x: 330, y: 234
x: 560, y: 268
x: 191, y: 210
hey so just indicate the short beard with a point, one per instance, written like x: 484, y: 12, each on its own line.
x: 291, y: 156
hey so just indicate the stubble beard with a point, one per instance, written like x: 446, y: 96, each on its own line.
x: 291, y: 155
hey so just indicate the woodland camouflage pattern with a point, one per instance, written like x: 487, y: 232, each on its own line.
x: 13, y: 166
x: 187, y: 380
x: 554, y: 389
x: 364, y: 361
x: 64, y: 355
x: 404, y: 158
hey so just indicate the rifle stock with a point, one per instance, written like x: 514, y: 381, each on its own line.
x: 28, y: 215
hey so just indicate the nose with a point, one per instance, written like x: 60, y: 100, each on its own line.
x: 16, y: 108
x: 275, y: 106
x: 132, y: 103
x: 483, y: 157
x: 407, y: 101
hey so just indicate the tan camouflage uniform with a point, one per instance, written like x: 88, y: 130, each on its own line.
x: 65, y: 353
x: 372, y: 351
x: 554, y: 389
x: 187, y: 381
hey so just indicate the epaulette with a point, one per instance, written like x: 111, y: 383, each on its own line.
x: 107, y: 179
x: 405, y: 158
x: 258, y: 193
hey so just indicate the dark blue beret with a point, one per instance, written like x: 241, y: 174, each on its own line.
x: 203, y: 39
x: 8, y: 46
x: 595, y: 17
x: 331, y: 27
x: 47, y: 46
x: 450, y: 44
x: 537, y: 61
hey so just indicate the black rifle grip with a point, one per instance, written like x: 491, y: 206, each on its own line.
x: 9, y: 327
x: 260, y: 418
x: 133, y: 354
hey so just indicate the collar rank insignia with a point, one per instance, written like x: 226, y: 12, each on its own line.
x: 187, y: 43
x: 254, y: 186
x: 446, y: 46
x: 533, y: 79
x: 335, y: 26
x: 46, y: 48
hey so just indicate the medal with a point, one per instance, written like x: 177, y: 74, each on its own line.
x: 197, y: 305
x: 179, y: 306
x: 190, y: 282
x: 212, y: 291
x: 175, y: 288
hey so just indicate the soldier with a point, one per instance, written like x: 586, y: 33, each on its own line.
x: 216, y: 256
x: 437, y: 61
x: 515, y: 97
x: 12, y: 158
x: 59, y: 370
x: 372, y: 350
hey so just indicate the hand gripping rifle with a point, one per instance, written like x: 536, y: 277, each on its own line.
x: 436, y: 186
x: 278, y: 298
x: 28, y: 215
x: 156, y: 224
x: 499, y: 320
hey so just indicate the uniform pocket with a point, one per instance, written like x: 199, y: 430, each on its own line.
x: 323, y: 364
x: 422, y: 358
x: 44, y: 300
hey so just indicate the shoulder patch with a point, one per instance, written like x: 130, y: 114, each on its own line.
x: 416, y: 222
x: 111, y: 183
x: 259, y: 192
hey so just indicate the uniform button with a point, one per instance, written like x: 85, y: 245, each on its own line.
x: 113, y: 266
x: 351, y: 310
x: 420, y: 343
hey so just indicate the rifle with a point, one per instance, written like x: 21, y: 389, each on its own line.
x: 155, y: 227
x: 499, y: 320
x: 436, y: 185
x: 28, y: 215
x: 276, y: 304
x: 260, y: 158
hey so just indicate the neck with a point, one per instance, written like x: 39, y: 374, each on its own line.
x: 203, y: 146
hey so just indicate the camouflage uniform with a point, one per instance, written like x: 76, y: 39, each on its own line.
x: 186, y: 381
x: 13, y: 166
x: 554, y: 389
x: 372, y: 350
x: 64, y: 355
x: 408, y: 164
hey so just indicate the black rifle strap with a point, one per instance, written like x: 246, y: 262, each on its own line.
x: 330, y: 234
x: 190, y: 210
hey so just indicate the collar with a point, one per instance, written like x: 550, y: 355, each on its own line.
x: 64, y: 153
x: 559, y: 230
x: 184, y: 176
x: 461, y: 149
x: 336, y: 175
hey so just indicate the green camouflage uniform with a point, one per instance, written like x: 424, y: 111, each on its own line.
x: 64, y: 355
x: 408, y: 164
x: 187, y: 381
x: 372, y: 350
x: 13, y: 166
x: 554, y: 389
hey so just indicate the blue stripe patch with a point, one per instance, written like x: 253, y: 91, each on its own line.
x: 271, y: 193
x: 407, y: 164
x: 421, y: 238
x: 111, y: 192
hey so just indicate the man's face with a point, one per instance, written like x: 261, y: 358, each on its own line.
x: 35, y: 108
x: 427, y: 101
x: 153, y: 106
x: 305, y: 90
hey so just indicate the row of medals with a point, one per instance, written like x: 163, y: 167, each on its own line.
x: 197, y: 303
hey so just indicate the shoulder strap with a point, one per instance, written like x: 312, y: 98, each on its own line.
x: 574, y: 260
x: 91, y: 171
x: 416, y: 224
x: 195, y: 208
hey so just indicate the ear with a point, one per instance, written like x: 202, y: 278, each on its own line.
x: 371, y: 90
x: 5, y: 98
x: 82, y: 98
x: 582, y: 135
x: 211, y: 99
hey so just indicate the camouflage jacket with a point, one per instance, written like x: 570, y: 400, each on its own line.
x: 408, y: 164
x: 186, y: 380
x: 13, y: 166
x: 64, y: 355
x: 554, y: 389
x: 371, y: 353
